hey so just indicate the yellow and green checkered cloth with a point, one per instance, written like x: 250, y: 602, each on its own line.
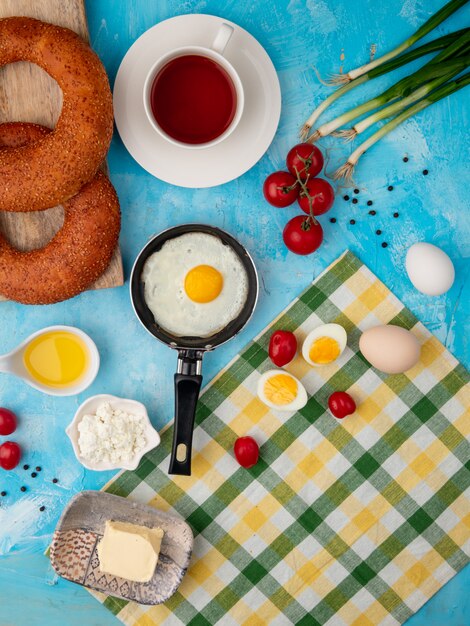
x: 355, y: 522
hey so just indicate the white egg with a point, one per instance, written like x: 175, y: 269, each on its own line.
x: 429, y: 268
x: 218, y: 289
x: 324, y: 344
x: 281, y: 391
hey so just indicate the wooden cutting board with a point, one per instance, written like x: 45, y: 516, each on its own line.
x: 28, y: 94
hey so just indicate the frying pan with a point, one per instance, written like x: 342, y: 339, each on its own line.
x: 190, y: 349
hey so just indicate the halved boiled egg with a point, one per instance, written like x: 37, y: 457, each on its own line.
x: 282, y: 391
x: 324, y: 344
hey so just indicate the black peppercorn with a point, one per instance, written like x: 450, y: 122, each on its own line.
x: 332, y: 220
x: 38, y: 469
x: 369, y: 203
x: 372, y: 212
x: 33, y: 475
x: 26, y: 467
x: 3, y: 494
x: 425, y: 172
x: 396, y: 214
x: 384, y: 244
x: 405, y: 159
x: 42, y: 508
x: 356, y: 191
x: 352, y: 221
x: 346, y: 197
x: 390, y: 187
x: 354, y: 200
x: 378, y: 232
x: 23, y: 489
x: 55, y: 480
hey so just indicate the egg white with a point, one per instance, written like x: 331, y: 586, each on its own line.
x: 164, y: 274
x: 299, y: 401
x: 333, y: 331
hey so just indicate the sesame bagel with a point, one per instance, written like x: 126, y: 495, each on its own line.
x: 55, y: 167
x: 79, y: 252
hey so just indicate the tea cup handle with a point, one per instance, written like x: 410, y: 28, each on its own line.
x: 222, y: 38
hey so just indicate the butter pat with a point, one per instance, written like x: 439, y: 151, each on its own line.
x: 129, y: 551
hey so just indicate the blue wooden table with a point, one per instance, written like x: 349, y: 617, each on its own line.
x: 298, y: 34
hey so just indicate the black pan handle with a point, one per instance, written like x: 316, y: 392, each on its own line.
x: 188, y: 381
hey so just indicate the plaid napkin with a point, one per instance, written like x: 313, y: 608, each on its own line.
x: 355, y: 522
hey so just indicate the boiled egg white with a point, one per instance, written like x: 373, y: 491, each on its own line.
x: 324, y: 344
x: 282, y: 391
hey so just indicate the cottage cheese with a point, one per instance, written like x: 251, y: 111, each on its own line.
x: 111, y: 435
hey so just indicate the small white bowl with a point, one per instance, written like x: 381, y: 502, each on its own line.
x: 13, y: 363
x: 130, y: 406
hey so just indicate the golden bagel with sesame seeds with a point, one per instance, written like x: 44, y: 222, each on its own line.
x: 53, y: 168
x: 79, y: 252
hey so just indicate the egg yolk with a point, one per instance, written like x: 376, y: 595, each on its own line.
x: 324, y: 350
x: 203, y: 283
x: 280, y: 389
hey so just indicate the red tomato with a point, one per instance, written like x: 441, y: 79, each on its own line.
x: 304, y: 159
x: 341, y: 404
x: 321, y: 193
x: 282, y: 347
x: 281, y: 189
x: 302, y: 236
x: 246, y: 451
x: 7, y: 422
x: 10, y: 454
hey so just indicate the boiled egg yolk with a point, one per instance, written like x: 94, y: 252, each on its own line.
x: 203, y: 284
x: 324, y: 350
x: 280, y: 389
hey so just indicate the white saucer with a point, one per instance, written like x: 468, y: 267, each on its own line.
x: 204, y: 167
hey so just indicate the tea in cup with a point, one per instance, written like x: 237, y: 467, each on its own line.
x: 193, y: 96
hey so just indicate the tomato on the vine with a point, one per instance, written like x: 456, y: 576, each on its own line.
x: 246, y: 451
x: 321, y: 194
x: 281, y: 189
x: 7, y: 421
x: 10, y: 454
x: 282, y: 347
x: 302, y: 235
x: 305, y: 160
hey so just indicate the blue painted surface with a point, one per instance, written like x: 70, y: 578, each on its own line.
x: 298, y: 35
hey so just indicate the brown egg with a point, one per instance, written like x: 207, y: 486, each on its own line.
x: 390, y: 349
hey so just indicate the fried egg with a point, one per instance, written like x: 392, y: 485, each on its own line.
x: 194, y: 285
x: 282, y: 391
x: 324, y: 344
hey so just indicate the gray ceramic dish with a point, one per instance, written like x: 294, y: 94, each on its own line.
x: 74, y: 556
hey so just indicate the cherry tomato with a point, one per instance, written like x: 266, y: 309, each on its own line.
x: 246, y: 451
x: 305, y: 159
x: 302, y: 236
x: 282, y: 347
x: 341, y: 404
x: 7, y: 422
x: 281, y: 189
x: 321, y: 193
x: 10, y: 454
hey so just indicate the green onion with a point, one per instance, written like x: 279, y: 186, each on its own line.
x: 346, y: 171
x: 394, y: 108
x: 401, y: 89
x: 389, y: 66
x: 426, y: 28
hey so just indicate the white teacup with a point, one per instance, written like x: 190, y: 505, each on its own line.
x: 216, y: 54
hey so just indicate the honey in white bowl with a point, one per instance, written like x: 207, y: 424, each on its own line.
x: 57, y: 359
